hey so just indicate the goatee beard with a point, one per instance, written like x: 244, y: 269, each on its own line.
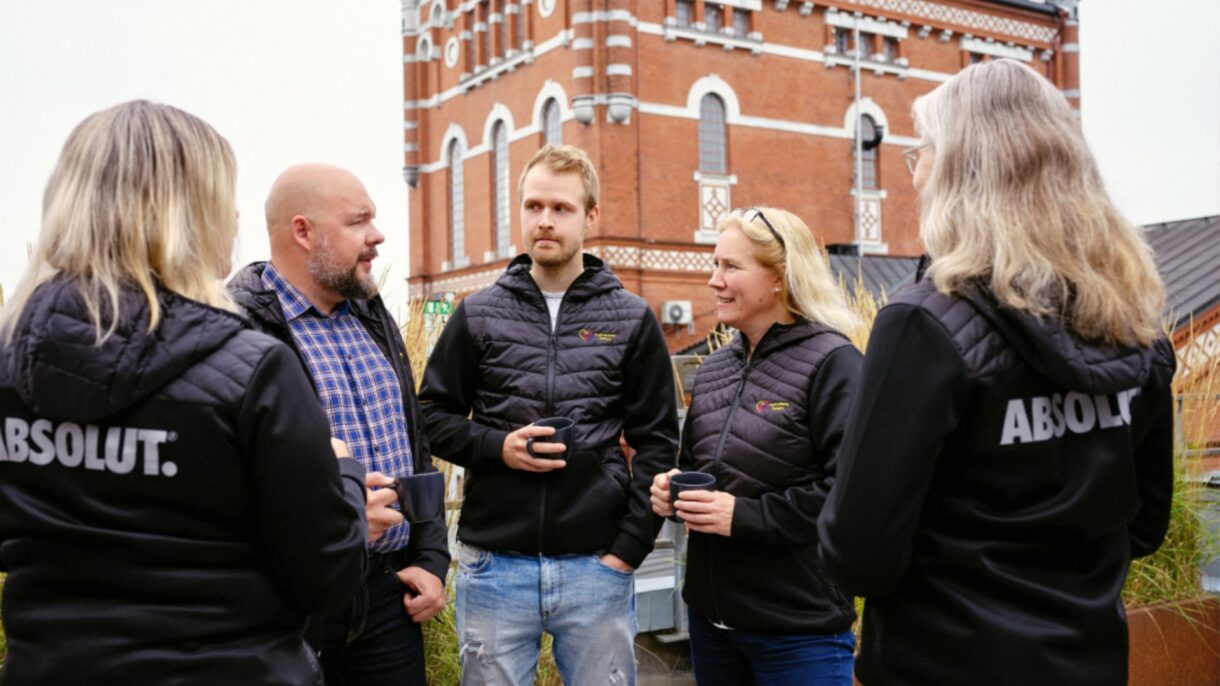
x: 348, y: 283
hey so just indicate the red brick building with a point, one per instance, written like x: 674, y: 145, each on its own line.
x: 688, y: 108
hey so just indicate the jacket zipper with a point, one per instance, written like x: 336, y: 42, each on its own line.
x: 549, y: 408
x: 724, y: 435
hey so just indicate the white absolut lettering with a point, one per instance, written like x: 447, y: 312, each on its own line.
x: 152, y: 440
x: 1124, y: 404
x: 92, y: 460
x: 1047, y: 417
x: 1016, y: 424
x: 1105, y: 417
x: 1078, y: 408
x: 70, y: 444
x: 113, y: 449
x: 1043, y: 419
x: 16, y: 432
x: 44, y: 452
x: 1057, y: 413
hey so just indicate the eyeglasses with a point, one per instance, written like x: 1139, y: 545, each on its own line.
x: 745, y: 215
x: 911, y: 156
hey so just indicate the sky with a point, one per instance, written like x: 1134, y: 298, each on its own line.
x: 290, y: 81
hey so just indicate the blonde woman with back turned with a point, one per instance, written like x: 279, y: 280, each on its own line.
x: 1010, y: 449
x: 766, y: 419
x: 170, y: 506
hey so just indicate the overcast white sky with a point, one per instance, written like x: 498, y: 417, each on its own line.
x: 298, y: 80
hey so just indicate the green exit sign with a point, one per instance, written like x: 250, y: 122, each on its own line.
x: 438, y: 307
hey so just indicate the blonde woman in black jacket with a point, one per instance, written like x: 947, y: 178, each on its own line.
x: 766, y: 418
x: 1010, y: 449
x: 170, y: 505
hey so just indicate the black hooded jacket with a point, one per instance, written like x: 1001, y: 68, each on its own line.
x: 428, y: 547
x: 768, y: 426
x: 498, y: 366
x: 170, y: 507
x: 996, y: 478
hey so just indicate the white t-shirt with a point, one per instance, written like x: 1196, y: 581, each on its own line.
x: 553, y: 298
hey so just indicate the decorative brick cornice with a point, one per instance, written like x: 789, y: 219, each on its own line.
x: 945, y: 14
x: 621, y: 256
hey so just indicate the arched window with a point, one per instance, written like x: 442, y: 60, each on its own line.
x: 868, y: 157
x: 500, y: 208
x: 457, y: 214
x: 713, y: 149
x: 552, y: 132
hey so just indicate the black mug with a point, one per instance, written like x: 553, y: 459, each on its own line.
x: 688, y: 481
x: 565, y: 433
x: 421, y: 496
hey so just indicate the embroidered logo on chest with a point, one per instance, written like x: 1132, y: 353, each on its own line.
x: 586, y: 334
x: 770, y: 406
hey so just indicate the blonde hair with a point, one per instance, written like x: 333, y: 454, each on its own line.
x: 1014, y: 202
x: 809, y: 289
x: 142, y: 194
x: 565, y: 159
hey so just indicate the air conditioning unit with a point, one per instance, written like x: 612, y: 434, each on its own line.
x: 676, y: 312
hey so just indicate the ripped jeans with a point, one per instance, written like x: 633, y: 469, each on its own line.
x: 505, y: 602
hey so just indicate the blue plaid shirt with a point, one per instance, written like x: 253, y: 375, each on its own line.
x: 357, y: 386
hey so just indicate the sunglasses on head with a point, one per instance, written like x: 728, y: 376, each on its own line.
x: 758, y: 214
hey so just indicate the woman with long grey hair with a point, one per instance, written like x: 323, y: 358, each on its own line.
x: 1010, y: 449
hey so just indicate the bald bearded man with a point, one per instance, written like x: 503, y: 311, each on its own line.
x: 318, y: 295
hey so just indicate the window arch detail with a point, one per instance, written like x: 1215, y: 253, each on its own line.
x: 713, y: 135
x: 552, y: 128
x: 501, y: 206
x: 457, y: 206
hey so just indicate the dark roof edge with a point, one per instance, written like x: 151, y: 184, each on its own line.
x: 1027, y: 5
x: 1185, y: 318
x: 1173, y: 223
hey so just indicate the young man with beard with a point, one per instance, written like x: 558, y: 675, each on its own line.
x: 317, y: 294
x: 550, y: 540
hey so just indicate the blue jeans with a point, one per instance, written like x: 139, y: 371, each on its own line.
x: 506, y: 601
x: 733, y: 657
x: 372, y: 641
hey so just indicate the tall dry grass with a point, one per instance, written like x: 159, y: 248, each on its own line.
x: 1173, y: 572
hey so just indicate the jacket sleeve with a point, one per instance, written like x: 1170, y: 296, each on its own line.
x: 447, y: 396
x: 310, y: 505
x: 790, y: 517
x: 912, y: 392
x: 1154, y: 458
x: 651, y: 428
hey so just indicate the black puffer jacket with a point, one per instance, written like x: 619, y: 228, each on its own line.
x: 769, y: 429
x: 996, y: 479
x: 606, y: 366
x: 170, y: 507
x: 428, y: 546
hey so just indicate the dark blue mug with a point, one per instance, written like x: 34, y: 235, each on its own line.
x: 421, y: 496
x: 565, y: 433
x: 688, y: 481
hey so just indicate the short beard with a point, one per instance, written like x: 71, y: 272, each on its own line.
x: 347, y: 282
x: 564, y: 257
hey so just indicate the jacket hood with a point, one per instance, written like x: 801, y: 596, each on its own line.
x: 61, y: 372
x: 596, y: 278
x: 1054, y: 351
x: 779, y: 336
